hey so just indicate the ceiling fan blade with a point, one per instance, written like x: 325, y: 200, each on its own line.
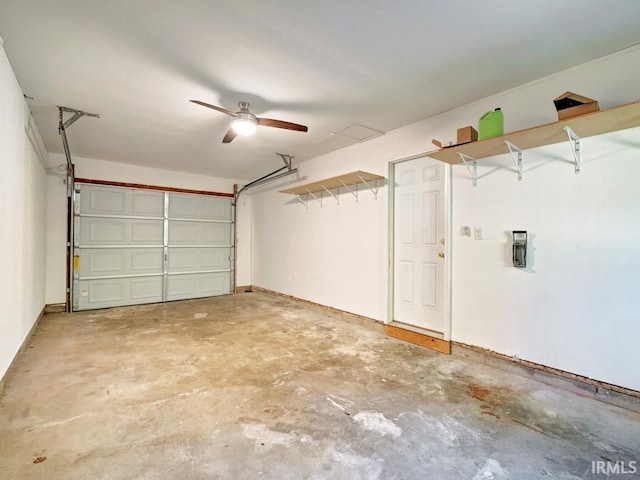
x: 229, y: 136
x: 220, y: 109
x: 269, y: 122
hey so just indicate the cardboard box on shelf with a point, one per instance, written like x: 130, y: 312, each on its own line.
x: 571, y: 104
x: 466, y: 135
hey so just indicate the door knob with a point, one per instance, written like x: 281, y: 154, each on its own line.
x: 441, y: 254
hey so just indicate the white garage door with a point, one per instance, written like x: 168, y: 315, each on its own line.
x: 134, y: 246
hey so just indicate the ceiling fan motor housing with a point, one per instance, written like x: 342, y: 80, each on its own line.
x: 244, y: 122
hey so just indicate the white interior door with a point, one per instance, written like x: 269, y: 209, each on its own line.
x: 420, y: 289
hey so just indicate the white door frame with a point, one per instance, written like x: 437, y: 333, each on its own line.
x: 447, y: 247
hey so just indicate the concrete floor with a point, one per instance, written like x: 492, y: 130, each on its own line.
x: 251, y: 386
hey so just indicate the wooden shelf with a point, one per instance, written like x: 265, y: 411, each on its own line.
x: 596, y: 123
x: 342, y: 181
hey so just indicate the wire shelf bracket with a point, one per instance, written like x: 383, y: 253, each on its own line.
x: 350, y: 190
x: 332, y: 194
x: 574, y: 143
x: 319, y: 199
x: 335, y: 186
x: 373, y: 190
x: 472, y: 166
x: 516, y: 156
x: 303, y: 200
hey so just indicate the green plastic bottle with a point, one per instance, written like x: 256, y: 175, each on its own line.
x: 491, y: 124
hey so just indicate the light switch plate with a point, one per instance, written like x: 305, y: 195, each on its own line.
x: 478, y: 233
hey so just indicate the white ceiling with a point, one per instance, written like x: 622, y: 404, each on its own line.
x: 325, y: 64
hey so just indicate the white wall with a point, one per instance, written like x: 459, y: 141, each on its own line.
x: 119, y: 172
x: 574, y: 309
x: 332, y: 255
x: 22, y: 210
x: 244, y: 217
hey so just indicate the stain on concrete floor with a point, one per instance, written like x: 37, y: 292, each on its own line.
x: 251, y: 386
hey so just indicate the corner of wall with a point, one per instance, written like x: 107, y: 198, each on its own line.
x: 23, y: 253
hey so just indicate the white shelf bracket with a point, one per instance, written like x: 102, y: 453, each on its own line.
x: 305, y: 202
x: 516, y: 155
x: 472, y: 166
x: 332, y: 194
x: 318, y: 199
x: 375, y: 192
x: 352, y: 192
x: 574, y: 143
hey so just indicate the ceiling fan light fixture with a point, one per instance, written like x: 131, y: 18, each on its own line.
x: 244, y: 124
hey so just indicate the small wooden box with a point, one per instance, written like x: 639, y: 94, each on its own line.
x: 466, y: 135
x: 571, y: 104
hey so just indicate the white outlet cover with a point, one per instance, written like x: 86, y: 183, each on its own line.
x: 478, y: 233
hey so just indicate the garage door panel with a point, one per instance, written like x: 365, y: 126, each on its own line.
x: 198, y: 285
x: 93, y: 263
x: 182, y: 232
x: 119, y: 261
x: 198, y: 259
x: 102, y: 231
x: 199, y: 233
x: 104, y: 200
x: 146, y: 289
x: 181, y: 206
x: 147, y: 204
x: 181, y: 286
x: 119, y: 291
x: 147, y: 232
x: 199, y: 206
x: 147, y: 260
x: 107, y: 291
x: 182, y: 259
x: 215, y: 258
x: 215, y: 233
x: 213, y: 284
x: 120, y: 231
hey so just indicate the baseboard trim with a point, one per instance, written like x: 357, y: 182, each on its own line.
x: 599, y: 390
x: 55, y: 308
x: 20, y: 351
x: 331, y: 311
x: 424, y: 340
x: 244, y: 289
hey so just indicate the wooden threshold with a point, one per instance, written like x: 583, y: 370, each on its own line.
x: 433, y: 343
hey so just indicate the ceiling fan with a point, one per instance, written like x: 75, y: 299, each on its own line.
x: 245, y: 123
